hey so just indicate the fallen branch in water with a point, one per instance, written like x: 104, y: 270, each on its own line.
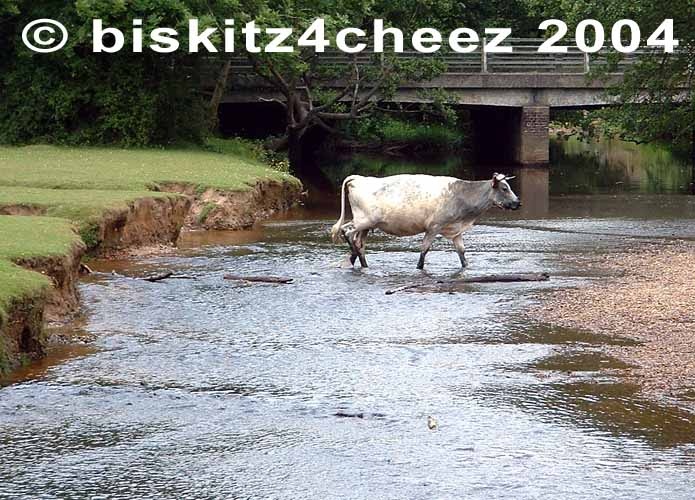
x: 85, y: 269
x: 259, y: 279
x: 454, y: 285
x: 166, y: 276
x: 158, y: 277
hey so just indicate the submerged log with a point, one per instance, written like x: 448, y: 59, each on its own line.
x: 259, y: 279
x: 455, y: 284
x: 167, y: 276
x: 158, y: 277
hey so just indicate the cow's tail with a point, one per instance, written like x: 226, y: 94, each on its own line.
x: 336, y: 229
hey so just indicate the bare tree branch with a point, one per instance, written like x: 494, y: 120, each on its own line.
x: 280, y: 84
x: 278, y: 101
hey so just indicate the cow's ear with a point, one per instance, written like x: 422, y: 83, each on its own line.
x: 495, y: 180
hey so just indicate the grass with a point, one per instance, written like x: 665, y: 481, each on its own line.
x: 26, y: 238
x: 233, y: 168
x: 85, y: 207
x: 80, y: 184
x: 205, y: 212
x: 74, y: 204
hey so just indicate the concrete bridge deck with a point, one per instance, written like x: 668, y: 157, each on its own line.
x: 525, y: 82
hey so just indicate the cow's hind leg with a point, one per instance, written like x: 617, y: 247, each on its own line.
x: 460, y: 249
x: 360, y: 243
x: 356, y: 235
x: 348, y: 231
x: 426, y: 245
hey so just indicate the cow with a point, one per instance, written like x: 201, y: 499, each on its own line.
x: 405, y: 205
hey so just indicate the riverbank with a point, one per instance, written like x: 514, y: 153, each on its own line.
x: 650, y: 298
x: 58, y: 204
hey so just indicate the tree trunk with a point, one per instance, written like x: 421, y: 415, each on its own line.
x: 218, y: 93
x: 294, y: 148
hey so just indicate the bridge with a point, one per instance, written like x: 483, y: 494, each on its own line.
x: 510, y: 94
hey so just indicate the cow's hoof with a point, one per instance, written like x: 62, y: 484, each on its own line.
x: 346, y: 263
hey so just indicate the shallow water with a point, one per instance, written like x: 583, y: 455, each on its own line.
x: 208, y: 388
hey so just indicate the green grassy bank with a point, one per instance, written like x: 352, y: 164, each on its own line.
x: 80, y: 184
x: 231, y: 167
x: 72, y: 188
x: 27, y: 238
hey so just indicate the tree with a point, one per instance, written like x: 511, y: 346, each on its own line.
x: 656, y: 95
x: 316, y: 91
x: 77, y: 96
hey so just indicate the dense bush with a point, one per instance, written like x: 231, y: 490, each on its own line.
x: 250, y: 149
x: 425, y: 136
x: 76, y: 96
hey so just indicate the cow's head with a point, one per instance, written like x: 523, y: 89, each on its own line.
x: 502, y: 194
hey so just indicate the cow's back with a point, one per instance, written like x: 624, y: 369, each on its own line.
x: 400, y: 204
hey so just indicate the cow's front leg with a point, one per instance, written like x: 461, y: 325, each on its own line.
x: 426, y: 244
x: 460, y: 249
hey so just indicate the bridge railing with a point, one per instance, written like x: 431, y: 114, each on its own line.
x: 525, y: 58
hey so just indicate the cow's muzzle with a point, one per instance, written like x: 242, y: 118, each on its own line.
x: 514, y: 205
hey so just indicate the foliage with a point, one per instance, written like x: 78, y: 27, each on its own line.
x: 657, y: 94
x: 425, y: 136
x: 251, y: 150
x: 306, y: 81
x: 75, y: 96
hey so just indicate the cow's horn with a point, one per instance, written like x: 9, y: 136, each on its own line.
x: 512, y: 177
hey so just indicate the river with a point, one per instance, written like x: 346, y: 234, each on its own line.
x: 322, y: 388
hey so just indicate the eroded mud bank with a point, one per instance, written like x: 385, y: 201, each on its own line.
x: 151, y: 221
x: 233, y: 210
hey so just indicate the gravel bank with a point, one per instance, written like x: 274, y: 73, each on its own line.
x: 650, y: 298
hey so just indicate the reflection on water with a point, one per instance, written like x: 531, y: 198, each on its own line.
x: 335, y: 170
x: 614, y: 166
x: 607, y: 168
x: 532, y: 187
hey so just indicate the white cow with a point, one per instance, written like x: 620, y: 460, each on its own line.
x: 404, y: 205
